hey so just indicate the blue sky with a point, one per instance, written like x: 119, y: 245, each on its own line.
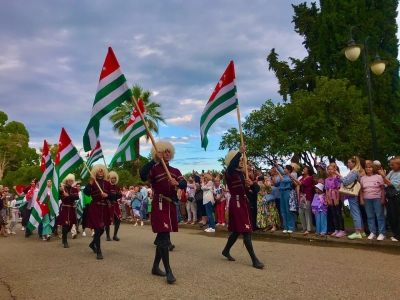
x: 52, y: 53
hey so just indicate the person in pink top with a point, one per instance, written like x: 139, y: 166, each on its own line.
x: 332, y: 186
x: 372, y: 196
x: 306, y: 184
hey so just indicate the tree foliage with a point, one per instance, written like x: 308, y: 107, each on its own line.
x: 21, y: 176
x: 14, y: 148
x: 326, y: 33
x: 328, y: 122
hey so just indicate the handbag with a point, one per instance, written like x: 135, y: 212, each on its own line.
x: 198, y: 196
x: 390, y: 190
x: 351, y: 189
x: 303, y: 201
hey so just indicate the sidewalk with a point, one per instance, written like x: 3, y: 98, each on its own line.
x: 299, y: 237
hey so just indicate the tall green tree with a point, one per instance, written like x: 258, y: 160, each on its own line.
x: 326, y: 122
x: 325, y: 30
x: 121, y: 115
x: 21, y: 176
x: 14, y: 148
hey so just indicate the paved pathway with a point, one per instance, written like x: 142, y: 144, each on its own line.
x: 32, y: 269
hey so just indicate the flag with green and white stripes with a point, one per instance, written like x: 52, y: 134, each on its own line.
x: 111, y: 92
x: 67, y: 160
x: 134, y: 130
x: 95, y: 155
x: 39, y: 207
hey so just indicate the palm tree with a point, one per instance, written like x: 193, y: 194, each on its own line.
x: 121, y: 115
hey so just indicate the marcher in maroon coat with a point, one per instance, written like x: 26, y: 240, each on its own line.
x: 115, y: 211
x: 99, y: 212
x: 163, y: 214
x: 240, y: 218
x: 67, y: 217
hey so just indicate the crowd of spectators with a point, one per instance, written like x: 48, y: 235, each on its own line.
x: 307, y: 199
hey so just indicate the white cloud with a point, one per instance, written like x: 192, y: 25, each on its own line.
x: 180, y: 120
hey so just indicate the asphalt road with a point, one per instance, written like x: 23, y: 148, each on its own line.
x: 33, y: 269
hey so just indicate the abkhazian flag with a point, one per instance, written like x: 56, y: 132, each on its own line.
x: 95, y: 155
x: 46, y: 170
x: 134, y: 130
x: 79, y: 206
x: 111, y: 92
x: 67, y: 160
x: 36, y: 212
x: 20, y: 202
x: 54, y: 195
x: 222, y: 101
x: 39, y: 209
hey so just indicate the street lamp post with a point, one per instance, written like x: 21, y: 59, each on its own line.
x: 352, y: 52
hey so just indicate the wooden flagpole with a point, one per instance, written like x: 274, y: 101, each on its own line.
x: 149, y: 133
x: 105, y: 162
x: 91, y: 175
x: 242, y: 142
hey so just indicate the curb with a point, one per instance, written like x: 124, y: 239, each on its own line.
x: 299, y: 237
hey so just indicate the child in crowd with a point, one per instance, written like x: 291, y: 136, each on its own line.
x: 136, y: 205
x: 219, y: 191
x: 227, y: 199
x: 332, y: 186
x: 320, y: 210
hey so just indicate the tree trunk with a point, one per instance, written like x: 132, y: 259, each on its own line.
x: 3, y: 166
x: 295, y: 158
x: 137, y: 160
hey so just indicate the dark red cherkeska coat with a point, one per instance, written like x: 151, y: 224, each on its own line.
x: 114, y: 205
x: 67, y: 214
x: 240, y: 219
x: 99, y: 210
x: 163, y: 213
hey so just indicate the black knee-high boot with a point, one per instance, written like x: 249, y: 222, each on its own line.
x: 65, y: 230
x: 249, y: 246
x: 108, y: 232
x: 98, y: 232
x: 156, y: 265
x: 92, y: 246
x: 170, y: 246
x: 163, y: 245
x: 117, y: 222
x: 231, y: 241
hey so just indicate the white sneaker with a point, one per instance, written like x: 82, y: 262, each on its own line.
x: 207, y: 229
x: 74, y: 235
x: 371, y: 236
x: 141, y: 223
x: 381, y: 237
x: 285, y: 231
x: 8, y: 231
x: 83, y: 233
x: 135, y: 224
x: 23, y: 228
x: 211, y: 230
x: 290, y: 231
x: 394, y: 239
x: 13, y: 232
x: 44, y: 238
